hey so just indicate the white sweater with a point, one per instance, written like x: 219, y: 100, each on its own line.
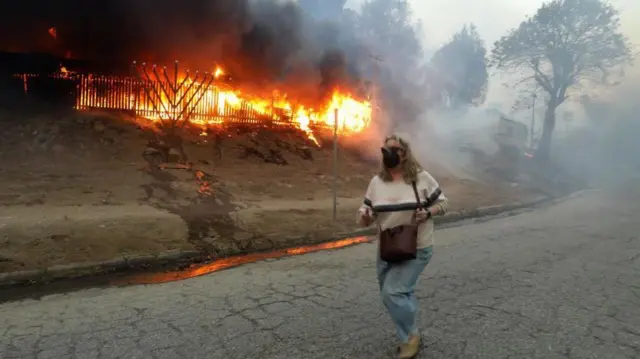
x: 384, y: 199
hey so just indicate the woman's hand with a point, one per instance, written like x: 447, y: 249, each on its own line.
x: 422, y: 215
x: 366, y: 216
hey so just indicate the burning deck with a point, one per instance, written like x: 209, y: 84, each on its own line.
x: 170, y: 98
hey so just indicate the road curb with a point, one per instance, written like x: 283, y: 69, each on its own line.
x: 71, y: 271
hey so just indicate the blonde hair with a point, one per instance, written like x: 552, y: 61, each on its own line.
x: 410, y: 166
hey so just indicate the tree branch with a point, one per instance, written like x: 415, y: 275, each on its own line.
x: 540, y: 77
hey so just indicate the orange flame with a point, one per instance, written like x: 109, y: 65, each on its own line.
x: 204, y: 186
x: 218, y: 72
x: 230, y: 262
x: 64, y: 73
x: 219, y: 104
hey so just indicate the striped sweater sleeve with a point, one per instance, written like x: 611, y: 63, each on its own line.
x: 366, y: 204
x: 441, y: 205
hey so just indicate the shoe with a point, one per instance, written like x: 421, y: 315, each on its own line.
x: 409, y: 349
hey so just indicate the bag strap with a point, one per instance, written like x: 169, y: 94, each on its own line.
x: 415, y: 191
x: 414, y: 185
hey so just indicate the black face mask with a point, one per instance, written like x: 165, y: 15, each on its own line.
x: 390, y: 157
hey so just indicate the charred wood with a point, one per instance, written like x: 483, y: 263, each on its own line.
x: 273, y: 156
x: 303, y: 151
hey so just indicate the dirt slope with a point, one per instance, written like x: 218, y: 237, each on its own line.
x: 243, y: 191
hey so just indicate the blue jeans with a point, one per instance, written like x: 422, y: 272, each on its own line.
x: 397, y: 285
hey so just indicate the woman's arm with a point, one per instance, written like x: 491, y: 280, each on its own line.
x: 366, y: 216
x: 441, y: 205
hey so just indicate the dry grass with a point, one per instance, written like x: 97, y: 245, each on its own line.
x: 90, y: 169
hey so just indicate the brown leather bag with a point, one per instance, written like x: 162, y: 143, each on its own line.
x: 400, y: 243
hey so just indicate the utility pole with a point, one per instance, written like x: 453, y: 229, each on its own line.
x: 376, y: 85
x: 334, y: 186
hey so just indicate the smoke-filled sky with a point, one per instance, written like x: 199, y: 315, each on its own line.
x: 261, y: 43
x: 494, y: 18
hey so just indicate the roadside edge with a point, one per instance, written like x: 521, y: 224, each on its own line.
x: 168, y: 258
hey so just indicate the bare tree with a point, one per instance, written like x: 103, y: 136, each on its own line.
x: 565, y: 44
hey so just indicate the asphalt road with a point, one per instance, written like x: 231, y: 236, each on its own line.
x: 557, y: 282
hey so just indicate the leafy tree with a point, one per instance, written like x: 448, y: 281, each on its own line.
x: 387, y: 29
x: 461, y: 68
x: 564, y: 45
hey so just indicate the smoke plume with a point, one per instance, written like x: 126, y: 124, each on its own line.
x: 258, y: 42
